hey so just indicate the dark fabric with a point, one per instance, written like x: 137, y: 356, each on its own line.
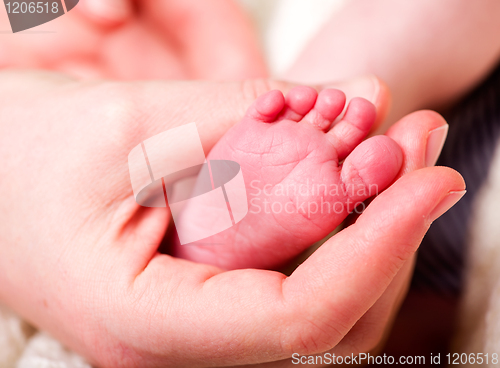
x: 473, y: 136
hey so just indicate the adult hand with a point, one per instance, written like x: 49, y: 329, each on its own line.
x: 420, y: 136
x: 175, y: 39
x: 79, y: 256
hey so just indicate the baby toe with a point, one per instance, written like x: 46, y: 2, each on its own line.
x: 299, y: 101
x: 370, y: 168
x: 266, y: 107
x: 328, y: 106
x: 354, y: 126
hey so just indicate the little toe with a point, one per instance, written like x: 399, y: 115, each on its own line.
x: 328, y: 106
x: 266, y: 107
x: 354, y: 126
x: 370, y: 168
x: 298, y: 102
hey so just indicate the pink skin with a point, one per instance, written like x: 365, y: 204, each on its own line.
x: 148, y: 39
x: 80, y: 257
x: 103, y: 314
x: 298, y: 189
x: 421, y: 69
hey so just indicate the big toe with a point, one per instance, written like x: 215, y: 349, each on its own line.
x: 370, y: 168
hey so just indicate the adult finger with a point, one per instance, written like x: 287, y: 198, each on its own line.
x: 421, y: 137
x: 106, y: 12
x: 306, y: 313
x: 423, y: 134
x: 215, y: 38
x: 370, y: 88
x: 135, y: 51
x: 163, y: 105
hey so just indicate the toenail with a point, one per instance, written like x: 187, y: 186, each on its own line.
x: 435, y: 143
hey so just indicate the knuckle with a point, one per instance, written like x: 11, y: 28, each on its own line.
x: 312, y: 336
x: 117, y: 111
x: 353, y: 182
x: 367, y: 338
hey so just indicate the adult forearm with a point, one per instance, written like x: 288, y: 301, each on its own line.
x: 429, y: 52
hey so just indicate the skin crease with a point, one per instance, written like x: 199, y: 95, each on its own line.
x: 92, y: 257
x: 430, y: 55
x: 283, y: 144
x: 80, y: 59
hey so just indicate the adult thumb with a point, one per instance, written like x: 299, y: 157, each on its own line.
x: 217, y: 106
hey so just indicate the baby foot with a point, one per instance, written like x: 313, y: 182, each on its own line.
x: 303, y: 175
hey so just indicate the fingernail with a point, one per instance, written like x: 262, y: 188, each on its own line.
x: 446, y: 203
x: 435, y: 143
